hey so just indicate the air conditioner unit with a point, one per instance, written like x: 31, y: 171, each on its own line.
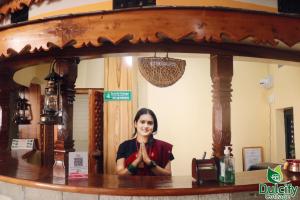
x: 266, y: 82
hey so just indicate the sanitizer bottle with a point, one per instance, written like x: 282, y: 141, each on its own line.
x: 227, y: 167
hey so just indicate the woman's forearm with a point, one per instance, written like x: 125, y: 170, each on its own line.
x: 123, y: 172
x: 159, y: 171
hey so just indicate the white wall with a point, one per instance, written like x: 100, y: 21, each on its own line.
x: 5, y: 21
x: 286, y: 92
x: 271, y: 3
x: 34, y: 74
x: 249, y: 109
x: 80, y: 122
x: 90, y: 74
x: 184, y: 111
x: 46, y: 7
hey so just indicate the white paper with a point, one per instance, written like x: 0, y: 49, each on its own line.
x: 22, y: 144
x: 252, y: 156
x: 78, y: 165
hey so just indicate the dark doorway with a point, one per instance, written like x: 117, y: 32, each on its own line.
x: 289, y: 133
x: 20, y: 15
x: 118, y: 4
x: 289, y: 6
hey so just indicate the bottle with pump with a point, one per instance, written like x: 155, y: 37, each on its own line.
x: 227, y: 174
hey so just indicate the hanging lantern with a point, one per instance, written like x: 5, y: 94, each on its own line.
x: 51, y: 113
x: 23, y: 112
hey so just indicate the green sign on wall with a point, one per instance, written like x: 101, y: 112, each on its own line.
x: 117, y: 95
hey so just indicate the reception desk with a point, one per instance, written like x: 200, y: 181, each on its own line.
x: 20, y: 180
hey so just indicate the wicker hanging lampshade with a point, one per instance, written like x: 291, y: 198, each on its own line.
x: 161, y: 71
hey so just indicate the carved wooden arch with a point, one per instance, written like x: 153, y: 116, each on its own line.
x: 153, y: 25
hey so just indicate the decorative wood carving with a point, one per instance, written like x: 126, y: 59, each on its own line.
x: 10, y: 6
x: 96, y: 132
x: 157, y: 24
x: 65, y: 143
x: 221, y: 72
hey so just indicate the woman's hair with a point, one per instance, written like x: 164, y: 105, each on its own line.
x: 141, y: 112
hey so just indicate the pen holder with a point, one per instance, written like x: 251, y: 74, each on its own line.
x: 204, y: 170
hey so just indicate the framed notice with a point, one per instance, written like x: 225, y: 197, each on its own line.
x: 252, y: 156
x: 25, y: 144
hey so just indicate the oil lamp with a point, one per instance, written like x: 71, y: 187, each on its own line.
x: 51, y: 113
x: 23, y: 112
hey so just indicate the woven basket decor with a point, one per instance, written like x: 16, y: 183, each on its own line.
x: 161, y: 71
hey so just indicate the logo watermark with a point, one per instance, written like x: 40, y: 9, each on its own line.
x: 279, y: 189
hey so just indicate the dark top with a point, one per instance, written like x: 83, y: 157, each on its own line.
x: 158, y: 151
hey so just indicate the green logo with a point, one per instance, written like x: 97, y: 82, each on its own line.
x: 280, y: 189
x: 117, y: 95
x: 275, y: 175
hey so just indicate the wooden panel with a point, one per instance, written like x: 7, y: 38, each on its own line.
x: 5, y: 117
x: 33, y: 130
x: 96, y: 131
x: 47, y: 154
x: 118, y: 115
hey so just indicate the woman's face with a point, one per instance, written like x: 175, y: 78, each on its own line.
x: 144, y: 125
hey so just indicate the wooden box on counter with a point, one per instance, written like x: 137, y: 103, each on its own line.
x: 204, y: 170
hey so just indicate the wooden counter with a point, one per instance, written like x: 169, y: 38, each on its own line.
x: 15, y: 170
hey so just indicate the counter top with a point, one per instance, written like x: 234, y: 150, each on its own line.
x: 17, y: 171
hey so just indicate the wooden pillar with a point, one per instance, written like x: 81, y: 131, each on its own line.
x: 96, y: 132
x: 118, y: 115
x: 221, y: 71
x: 7, y: 87
x: 64, y: 144
x: 47, y: 145
x: 4, y: 112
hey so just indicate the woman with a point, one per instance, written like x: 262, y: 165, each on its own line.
x: 144, y: 155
